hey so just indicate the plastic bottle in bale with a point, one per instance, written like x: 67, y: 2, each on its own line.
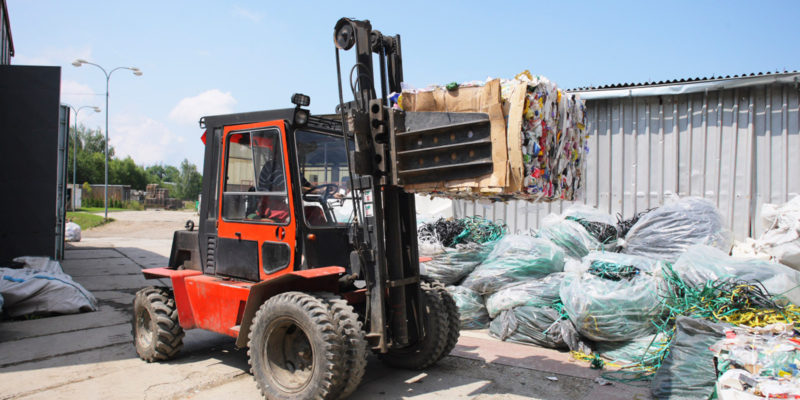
x: 470, y: 307
x: 617, y: 299
x: 666, y: 232
x: 515, y: 258
x: 569, y: 235
x: 534, y: 292
x: 702, y: 264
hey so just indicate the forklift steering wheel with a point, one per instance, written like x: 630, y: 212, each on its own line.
x: 330, y: 189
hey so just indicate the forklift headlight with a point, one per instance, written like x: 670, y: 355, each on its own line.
x: 300, y: 117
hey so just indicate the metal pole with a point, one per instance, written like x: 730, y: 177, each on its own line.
x: 105, y: 197
x: 74, y: 159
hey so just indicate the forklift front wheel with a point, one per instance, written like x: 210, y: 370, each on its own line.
x: 294, y: 350
x: 156, y: 331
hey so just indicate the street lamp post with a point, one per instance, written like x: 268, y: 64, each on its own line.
x: 136, y: 72
x: 75, y: 148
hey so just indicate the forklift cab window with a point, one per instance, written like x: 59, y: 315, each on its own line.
x: 324, y: 176
x: 255, y: 182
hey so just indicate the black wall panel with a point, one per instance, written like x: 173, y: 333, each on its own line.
x: 29, y: 106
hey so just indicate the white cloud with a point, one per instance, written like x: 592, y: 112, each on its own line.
x: 247, y: 14
x: 146, y: 140
x: 211, y: 102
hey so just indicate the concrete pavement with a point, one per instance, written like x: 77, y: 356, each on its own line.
x: 91, y: 355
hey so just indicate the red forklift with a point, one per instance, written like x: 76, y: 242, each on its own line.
x: 306, y: 250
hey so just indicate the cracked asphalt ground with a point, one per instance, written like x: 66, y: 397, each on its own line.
x: 91, y: 355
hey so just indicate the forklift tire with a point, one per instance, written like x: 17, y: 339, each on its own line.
x: 453, y: 317
x: 294, y: 350
x: 431, y: 348
x: 157, y: 334
x: 349, y: 328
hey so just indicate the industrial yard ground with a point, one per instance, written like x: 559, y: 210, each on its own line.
x: 91, y: 356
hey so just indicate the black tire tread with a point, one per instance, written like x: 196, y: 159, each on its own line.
x: 355, y: 344
x: 319, y: 313
x: 169, y: 338
x: 428, y: 351
x: 453, y: 318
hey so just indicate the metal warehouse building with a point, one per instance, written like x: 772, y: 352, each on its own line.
x: 733, y: 140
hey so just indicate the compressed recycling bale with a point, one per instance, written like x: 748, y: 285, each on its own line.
x: 666, y: 232
x: 513, y: 259
x: 470, y: 307
x: 701, y: 264
x: 605, y: 309
x: 453, y: 264
x: 570, y: 235
x: 534, y: 292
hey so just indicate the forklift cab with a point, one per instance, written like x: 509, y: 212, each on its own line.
x: 281, y: 198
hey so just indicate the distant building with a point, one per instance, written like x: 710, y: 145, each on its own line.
x: 6, y: 44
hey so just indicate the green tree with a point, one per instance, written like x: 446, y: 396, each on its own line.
x: 126, y: 172
x: 190, y: 182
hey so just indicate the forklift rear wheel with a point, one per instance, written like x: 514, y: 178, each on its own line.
x: 294, y: 350
x: 156, y: 331
x: 355, y: 344
x: 430, y: 349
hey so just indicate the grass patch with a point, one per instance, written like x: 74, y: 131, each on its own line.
x: 99, y: 209
x: 86, y: 220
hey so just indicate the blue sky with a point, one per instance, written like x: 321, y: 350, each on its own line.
x: 212, y: 57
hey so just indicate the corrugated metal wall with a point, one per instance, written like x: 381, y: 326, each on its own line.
x: 739, y: 148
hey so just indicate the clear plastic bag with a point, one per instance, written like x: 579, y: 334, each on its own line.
x: 666, y: 232
x: 542, y: 326
x: 614, y: 310
x: 570, y: 235
x: 515, y: 258
x: 688, y: 371
x: 700, y: 264
x: 470, y: 307
x: 453, y: 264
x: 643, y: 351
x: 534, y: 292
x: 600, y: 225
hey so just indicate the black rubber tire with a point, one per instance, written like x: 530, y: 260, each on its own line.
x: 349, y: 328
x: 429, y: 350
x: 280, y: 319
x: 157, y: 334
x: 453, y: 317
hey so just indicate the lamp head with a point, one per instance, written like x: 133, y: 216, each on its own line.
x: 77, y: 63
x: 96, y: 109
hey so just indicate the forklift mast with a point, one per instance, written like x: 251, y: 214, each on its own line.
x: 385, y: 239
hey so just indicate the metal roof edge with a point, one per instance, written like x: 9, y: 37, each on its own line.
x: 671, y: 89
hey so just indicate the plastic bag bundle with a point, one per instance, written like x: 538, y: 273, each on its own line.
x: 72, y: 232
x: 688, y: 370
x: 701, y: 264
x: 542, y: 326
x: 42, y: 288
x: 535, y: 292
x: 515, y: 258
x: 614, y: 310
x: 569, y: 235
x: 644, y: 351
x: 470, y: 307
x: 600, y: 225
x: 666, y: 232
x: 452, y: 265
